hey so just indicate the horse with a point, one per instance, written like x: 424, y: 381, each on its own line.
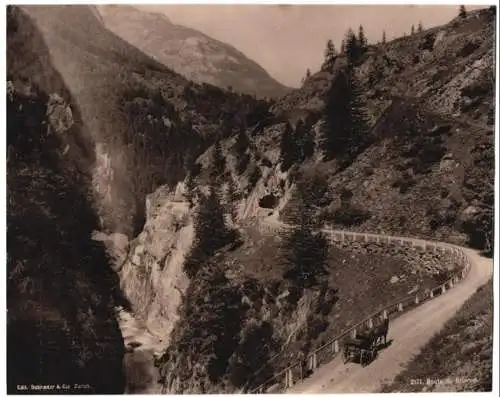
x: 381, y: 330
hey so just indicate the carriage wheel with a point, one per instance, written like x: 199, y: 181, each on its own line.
x: 362, y: 358
x: 345, y: 355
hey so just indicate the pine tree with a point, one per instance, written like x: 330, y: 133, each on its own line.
x: 412, y: 32
x: 308, y: 73
x: 289, y: 149
x: 462, y: 13
x: 242, y: 142
x: 352, y: 48
x: 345, y: 131
x: 384, y: 39
x: 211, y: 231
x: 304, y: 140
x: 190, y: 192
x: 232, y: 199
x: 342, y: 47
x: 330, y: 55
x: 305, y: 252
x: 305, y: 256
x: 218, y: 164
x: 420, y: 28
x: 362, y: 41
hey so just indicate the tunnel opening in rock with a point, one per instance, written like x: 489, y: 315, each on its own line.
x: 268, y: 201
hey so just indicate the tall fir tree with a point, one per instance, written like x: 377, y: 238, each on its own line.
x: 210, y: 229
x: 242, y: 142
x: 305, y: 250
x: 232, y: 200
x: 330, y: 55
x: 218, y: 164
x: 420, y: 28
x: 352, y: 48
x: 412, y: 31
x: 308, y: 73
x: 384, y: 38
x: 190, y: 191
x: 462, y: 12
x: 362, y: 41
x: 345, y: 131
x: 305, y: 255
x: 288, y: 148
x: 304, y: 140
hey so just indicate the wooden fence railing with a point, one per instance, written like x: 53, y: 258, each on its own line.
x: 328, y: 351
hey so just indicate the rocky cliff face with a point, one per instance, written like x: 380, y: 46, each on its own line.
x: 61, y: 290
x: 191, y: 53
x: 152, y: 278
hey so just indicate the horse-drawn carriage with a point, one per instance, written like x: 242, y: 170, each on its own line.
x: 363, y: 348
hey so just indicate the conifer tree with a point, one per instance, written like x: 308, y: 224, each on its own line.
x: 384, y: 39
x: 330, y: 55
x: 305, y: 255
x: 462, y: 13
x: 305, y: 251
x: 242, y: 142
x: 288, y: 148
x: 362, y: 41
x: 412, y: 32
x: 304, y: 140
x: 231, y: 199
x: 345, y: 131
x: 308, y: 73
x: 420, y: 28
x: 190, y: 192
x: 352, y: 49
x: 342, y: 47
x: 211, y: 231
x: 218, y: 164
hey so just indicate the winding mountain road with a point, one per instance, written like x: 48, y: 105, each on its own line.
x: 408, y: 334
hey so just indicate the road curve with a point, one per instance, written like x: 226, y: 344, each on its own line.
x: 409, y: 333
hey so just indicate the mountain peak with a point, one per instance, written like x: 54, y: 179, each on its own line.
x: 128, y: 11
x: 189, y: 52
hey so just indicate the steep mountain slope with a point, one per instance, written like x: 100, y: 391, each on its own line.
x: 145, y: 120
x: 430, y: 101
x: 61, y: 291
x: 191, y: 53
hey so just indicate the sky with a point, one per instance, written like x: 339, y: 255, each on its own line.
x: 288, y: 39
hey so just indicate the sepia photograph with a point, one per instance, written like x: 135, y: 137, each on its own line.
x: 250, y: 198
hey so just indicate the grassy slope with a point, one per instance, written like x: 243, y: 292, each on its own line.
x: 460, y: 356
x: 61, y: 291
x: 355, y: 271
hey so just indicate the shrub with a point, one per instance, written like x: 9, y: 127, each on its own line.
x: 405, y: 183
x: 255, y: 175
x: 350, y: 215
